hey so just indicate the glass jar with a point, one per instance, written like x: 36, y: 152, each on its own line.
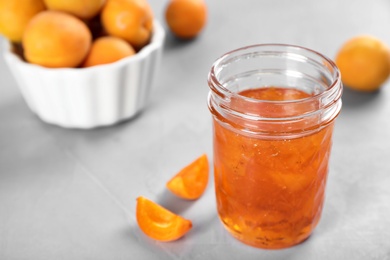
x: 273, y: 108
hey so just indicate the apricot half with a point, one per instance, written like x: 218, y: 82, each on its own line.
x: 191, y: 182
x: 159, y: 223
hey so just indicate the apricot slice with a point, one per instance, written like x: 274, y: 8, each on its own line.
x: 191, y: 182
x: 159, y: 223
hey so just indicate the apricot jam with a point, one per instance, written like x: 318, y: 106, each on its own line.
x: 272, y: 142
x: 270, y: 192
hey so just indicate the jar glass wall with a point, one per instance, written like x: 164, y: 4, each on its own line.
x: 273, y: 108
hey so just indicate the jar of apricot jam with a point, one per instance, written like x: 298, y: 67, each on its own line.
x: 273, y: 108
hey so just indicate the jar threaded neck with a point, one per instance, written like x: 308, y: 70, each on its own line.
x: 275, y: 65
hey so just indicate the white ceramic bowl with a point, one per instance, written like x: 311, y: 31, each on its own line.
x: 89, y: 97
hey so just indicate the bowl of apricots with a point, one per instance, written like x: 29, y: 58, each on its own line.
x: 82, y: 64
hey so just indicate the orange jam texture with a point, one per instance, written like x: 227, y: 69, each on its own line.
x: 270, y: 193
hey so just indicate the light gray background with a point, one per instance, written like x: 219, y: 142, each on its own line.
x: 71, y: 194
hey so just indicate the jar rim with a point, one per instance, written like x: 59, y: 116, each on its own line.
x: 272, y: 118
x: 220, y: 88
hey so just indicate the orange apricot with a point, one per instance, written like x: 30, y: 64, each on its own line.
x: 159, y: 223
x: 106, y: 50
x: 56, y: 39
x: 191, y: 182
x: 84, y: 9
x: 14, y: 16
x: 131, y: 20
x: 364, y: 63
x: 186, y: 18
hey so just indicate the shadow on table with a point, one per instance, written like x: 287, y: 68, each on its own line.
x: 172, y: 42
x: 173, y: 203
x: 352, y: 98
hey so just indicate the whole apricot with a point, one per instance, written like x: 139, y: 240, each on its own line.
x: 364, y: 63
x: 14, y: 16
x: 131, y: 20
x: 108, y: 49
x: 186, y: 18
x: 84, y: 9
x: 56, y: 39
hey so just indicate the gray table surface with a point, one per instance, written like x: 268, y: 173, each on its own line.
x: 71, y: 194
